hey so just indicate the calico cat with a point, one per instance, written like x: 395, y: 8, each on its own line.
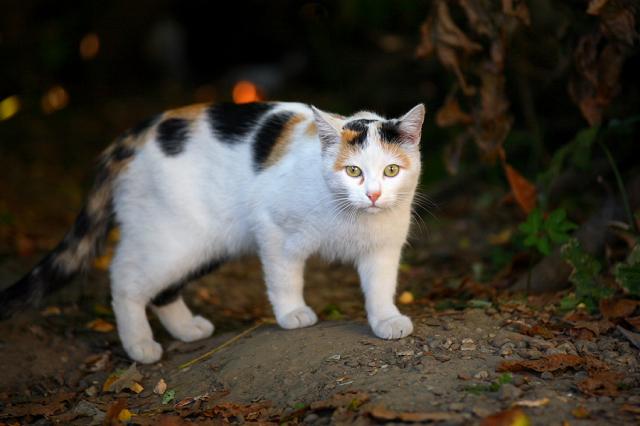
x: 195, y: 186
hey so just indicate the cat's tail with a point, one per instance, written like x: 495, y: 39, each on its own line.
x: 80, y: 245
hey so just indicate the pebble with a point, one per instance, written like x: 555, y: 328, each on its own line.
x: 447, y: 325
x: 610, y: 354
x: 310, y: 418
x: 442, y: 357
x: 507, y: 349
x: 468, y: 345
x: 605, y: 344
x: 581, y: 375
x: 604, y: 399
x: 554, y: 351
x: 521, y: 344
x: 481, y: 412
x: 481, y: 375
x: 456, y: 406
x: 518, y: 380
x: 586, y: 346
x: 634, y: 399
x: 540, y: 343
x: 568, y: 348
x: 546, y: 375
x: 508, y: 392
x: 498, y: 341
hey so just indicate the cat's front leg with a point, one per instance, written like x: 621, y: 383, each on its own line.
x: 284, y: 275
x: 378, y: 276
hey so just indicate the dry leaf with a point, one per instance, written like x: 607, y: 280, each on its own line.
x: 618, y: 308
x: 50, y: 311
x: 532, y: 403
x: 124, y: 415
x: 601, y: 383
x: 523, y: 190
x: 101, y: 326
x: 635, y: 409
x: 631, y: 336
x: 381, y: 413
x: 114, y: 410
x: 451, y: 114
x: 580, y: 412
x: 550, y: 363
x: 634, y: 321
x: 96, y: 362
x: 512, y: 417
x: 160, y: 387
x: 127, y: 379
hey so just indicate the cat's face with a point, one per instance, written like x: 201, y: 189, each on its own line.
x: 371, y: 164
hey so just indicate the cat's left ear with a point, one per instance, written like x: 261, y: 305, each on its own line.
x: 329, y: 127
x: 410, y: 124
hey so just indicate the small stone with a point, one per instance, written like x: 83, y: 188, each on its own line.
x: 530, y: 353
x: 310, y: 418
x: 581, y: 375
x: 405, y: 353
x: 91, y: 391
x: 498, y: 341
x: 604, y: 399
x: 586, y: 347
x: 507, y: 349
x: 447, y: 343
x: 610, y: 355
x: 481, y: 412
x: 606, y: 344
x: 554, y: 351
x: 540, y: 343
x: 491, y: 311
x: 508, y: 392
x: 567, y: 348
x: 518, y: 380
x: 335, y: 357
x: 464, y: 376
x: 481, y: 375
x: 468, y: 345
x: 634, y: 399
x: 521, y: 344
x: 456, y: 406
x: 547, y: 375
x: 447, y: 325
x: 442, y: 357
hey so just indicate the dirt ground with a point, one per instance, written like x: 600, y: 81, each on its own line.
x: 475, y: 352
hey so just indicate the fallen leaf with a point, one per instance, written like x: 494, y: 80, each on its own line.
x: 512, y: 417
x: 160, y: 387
x: 596, y: 327
x: 258, y: 412
x: 580, y: 412
x: 634, y: 321
x: 124, y: 415
x: 524, y: 191
x: 550, y: 363
x: 618, y: 308
x: 631, y: 336
x: 127, y: 379
x: 537, y: 330
x: 96, y: 362
x: 601, y: 383
x: 114, y: 410
x: 451, y: 114
x: 382, y: 413
x: 50, y: 311
x: 45, y: 407
x: 635, y: 409
x: 100, y: 325
x: 406, y: 298
x: 532, y: 403
x: 168, y: 396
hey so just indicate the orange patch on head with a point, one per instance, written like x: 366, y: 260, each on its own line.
x: 312, y: 129
x: 282, y: 143
x: 347, y: 136
x: 396, y: 151
x: 190, y: 112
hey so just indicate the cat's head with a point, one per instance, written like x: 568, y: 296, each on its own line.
x: 371, y: 163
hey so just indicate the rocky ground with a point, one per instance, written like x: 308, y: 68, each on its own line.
x: 477, y: 355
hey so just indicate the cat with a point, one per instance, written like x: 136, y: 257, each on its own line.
x: 195, y: 186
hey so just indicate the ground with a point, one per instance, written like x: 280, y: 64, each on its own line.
x: 63, y: 362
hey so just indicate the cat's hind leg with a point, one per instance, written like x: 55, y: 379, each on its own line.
x: 176, y: 317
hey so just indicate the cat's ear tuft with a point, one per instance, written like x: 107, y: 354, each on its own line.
x: 329, y: 127
x: 410, y: 124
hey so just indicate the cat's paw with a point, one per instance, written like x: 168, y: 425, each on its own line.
x: 395, y: 327
x: 196, y: 329
x: 145, y: 352
x: 298, y: 318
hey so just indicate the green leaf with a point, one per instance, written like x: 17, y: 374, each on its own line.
x: 585, y: 275
x: 168, y: 396
x: 628, y: 273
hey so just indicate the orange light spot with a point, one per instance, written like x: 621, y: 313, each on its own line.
x: 245, y: 92
x: 54, y: 99
x: 89, y: 46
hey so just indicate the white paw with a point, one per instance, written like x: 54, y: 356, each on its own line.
x: 196, y: 329
x: 395, y: 327
x: 301, y: 317
x: 145, y: 352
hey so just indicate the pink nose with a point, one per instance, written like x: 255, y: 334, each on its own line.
x: 373, y: 196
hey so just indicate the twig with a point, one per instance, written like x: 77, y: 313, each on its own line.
x: 224, y: 345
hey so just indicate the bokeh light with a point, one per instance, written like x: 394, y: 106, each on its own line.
x: 245, y: 92
x: 56, y: 98
x: 89, y: 46
x: 9, y: 107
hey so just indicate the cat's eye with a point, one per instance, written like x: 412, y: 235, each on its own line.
x: 353, y: 171
x: 391, y: 170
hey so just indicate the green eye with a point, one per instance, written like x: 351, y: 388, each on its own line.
x: 353, y: 171
x: 391, y: 170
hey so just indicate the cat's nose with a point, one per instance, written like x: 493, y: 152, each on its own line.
x: 373, y: 196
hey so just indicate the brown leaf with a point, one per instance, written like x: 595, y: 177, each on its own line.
x: 382, y: 413
x: 100, y: 325
x: 114, y: 409
x: 596, y: 327
x: 618, y: 308
x: 523, y: 190
x: 537, y: 330
x: 595, y: 6
x: 635, y: 409
x: 451, y: 114
x: 96, y: 362
x: 631, y: 336
x: 254, y: 412
x: 634, y: 321
x: 550, y: 363
x: 601, y: 383
x: 519, y: 10
x: 512, y: 417
x: 127, y: 379
x: 45, y: 407
x: 580, y: 412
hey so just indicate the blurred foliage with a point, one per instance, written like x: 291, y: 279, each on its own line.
x: 545, y: 232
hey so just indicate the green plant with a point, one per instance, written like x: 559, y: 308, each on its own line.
x: 628, y: 273
x: 542, y: 233
x: 585, y: 276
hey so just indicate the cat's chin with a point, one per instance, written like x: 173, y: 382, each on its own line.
x: 373, y: 209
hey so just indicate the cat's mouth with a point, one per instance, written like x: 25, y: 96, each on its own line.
x: 373, y: 209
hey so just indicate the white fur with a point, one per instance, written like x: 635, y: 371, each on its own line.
x: 176, y: 213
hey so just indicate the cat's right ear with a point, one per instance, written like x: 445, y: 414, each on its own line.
x: 329, y: 127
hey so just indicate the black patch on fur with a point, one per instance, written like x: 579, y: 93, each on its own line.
x: 361, y: 127
x: 82, y: 224
x: 171, y: 293
x: 172, y: 135
x: 102, y: 176
x: 230, y: 121
x: 267, y: 135
x: 390, y: 132
x: 122, y: 152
